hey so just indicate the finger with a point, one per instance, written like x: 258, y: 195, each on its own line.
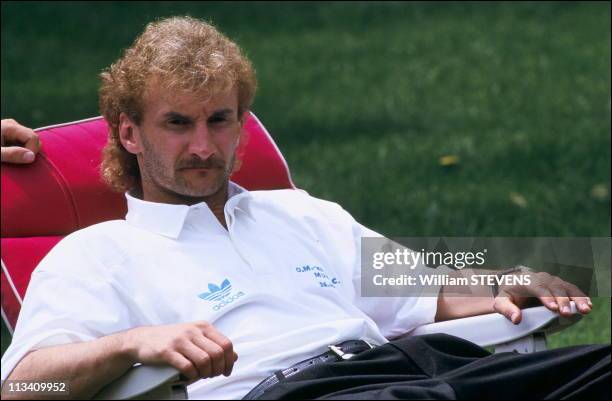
x: 583, y: 303
x: 34, y: 143
x: 545, y: 296
x: 226, y: 345
x: 562, y: 299
x: 505, y: 305
x: 215, y: 352
x: 13, y: 132
x: 229, y: 356
x: 198, y: 357
x: 184, y: 365
x: 16, y: 154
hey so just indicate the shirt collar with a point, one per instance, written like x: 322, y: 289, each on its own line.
x: 168, y: 219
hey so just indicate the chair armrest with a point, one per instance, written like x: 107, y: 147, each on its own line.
x: 145, y: 382
x: 494, y: 328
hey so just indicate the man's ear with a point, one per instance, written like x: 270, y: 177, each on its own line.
x: 129, y: 134
x: 243, y: 118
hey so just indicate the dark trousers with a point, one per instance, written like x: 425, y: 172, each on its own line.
x: 439, y: 366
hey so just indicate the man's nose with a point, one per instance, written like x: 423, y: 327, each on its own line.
x: 201, y: 142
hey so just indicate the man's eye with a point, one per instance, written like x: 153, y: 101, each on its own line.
x: 178, y: 122
x: 218, y: 120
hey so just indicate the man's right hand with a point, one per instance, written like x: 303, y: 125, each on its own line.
x: 197, y: 350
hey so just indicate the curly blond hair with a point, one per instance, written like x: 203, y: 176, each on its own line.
x: 184, y: 55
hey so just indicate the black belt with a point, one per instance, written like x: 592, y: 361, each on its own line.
x: 343, y: 351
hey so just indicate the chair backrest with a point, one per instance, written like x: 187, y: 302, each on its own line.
x: 62, y: 192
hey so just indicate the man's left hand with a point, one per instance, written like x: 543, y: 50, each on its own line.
x: 551, y: 291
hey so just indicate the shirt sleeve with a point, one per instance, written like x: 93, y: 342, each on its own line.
x: 394, y: 315
x: 70, y: 298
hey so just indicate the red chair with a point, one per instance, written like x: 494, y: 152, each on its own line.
x: 62, y: 192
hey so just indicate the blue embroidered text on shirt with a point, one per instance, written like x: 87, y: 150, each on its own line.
x: 220, y: 293
x: 319, y: 273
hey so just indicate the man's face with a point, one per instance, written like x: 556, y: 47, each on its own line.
x: 185, y: 146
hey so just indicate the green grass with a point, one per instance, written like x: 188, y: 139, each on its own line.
x: 364, y: 98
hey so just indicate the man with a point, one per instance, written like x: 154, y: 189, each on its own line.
x: 222, y: 283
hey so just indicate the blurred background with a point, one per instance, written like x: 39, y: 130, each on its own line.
x: 420, y: 119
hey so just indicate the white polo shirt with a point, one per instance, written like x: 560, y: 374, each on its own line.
x: 282, y: 282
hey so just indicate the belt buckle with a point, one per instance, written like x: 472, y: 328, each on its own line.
x: 342, y: 355
x: 345, y: 356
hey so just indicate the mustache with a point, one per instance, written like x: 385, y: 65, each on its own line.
x: 211, y: 162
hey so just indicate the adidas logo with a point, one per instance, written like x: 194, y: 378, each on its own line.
x: 217, y: 292
x: 221, y: 295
